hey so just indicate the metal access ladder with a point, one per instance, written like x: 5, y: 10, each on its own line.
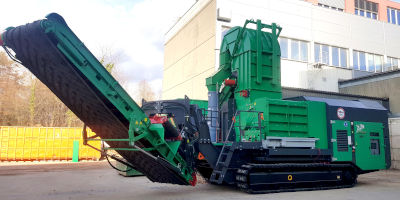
x: 224, y: 159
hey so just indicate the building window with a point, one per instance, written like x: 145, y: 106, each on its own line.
x: 398, y: 17
x: 331, y: 7
x: 366, y: 9
x: 321, y: 53
x: 294, y: 49
x: 393, y: 15
x: 317, y: 52
x: 283, y: 42
x: 391, y: 64
x: 325, y: 54
x: 355, y: 61
x: 339, y: 57
x: 335, y: 56
x: 359, y: 61
x: 371, y: 65
x: 378, y: 60
x: 303, y: 51
x: 367, y: 61
x: 343, y: 57
x: 363, y: 66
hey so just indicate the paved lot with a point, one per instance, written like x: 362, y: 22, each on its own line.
x: 96, y: 180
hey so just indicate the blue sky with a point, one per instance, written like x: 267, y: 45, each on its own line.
x: 134, y: 30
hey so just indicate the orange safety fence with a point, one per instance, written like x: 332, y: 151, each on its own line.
x: 44, y: 144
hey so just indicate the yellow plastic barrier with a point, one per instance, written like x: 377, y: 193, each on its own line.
x: 44, y: 144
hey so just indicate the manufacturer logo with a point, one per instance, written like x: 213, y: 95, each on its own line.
x: 360, y: 128
x: 341, y: 113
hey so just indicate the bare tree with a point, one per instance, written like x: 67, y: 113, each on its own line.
x: 111, y: 59
x: 145, y: 92
x: 13, y: 93
x: 24, y: 100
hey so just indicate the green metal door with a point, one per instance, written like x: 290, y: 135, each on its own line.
x: 341, y: 140
x: 369, y: 145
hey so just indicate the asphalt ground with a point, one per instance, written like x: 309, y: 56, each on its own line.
x: 97, y: 180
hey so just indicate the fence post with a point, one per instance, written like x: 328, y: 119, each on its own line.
x: 75, y: 151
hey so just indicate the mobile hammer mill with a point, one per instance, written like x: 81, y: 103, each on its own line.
x: 248, y: 136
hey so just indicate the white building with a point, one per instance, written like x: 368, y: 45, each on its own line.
x: 321, y: 41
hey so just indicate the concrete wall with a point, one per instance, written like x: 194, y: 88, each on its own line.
x: 394, y: 128
x: 387, y: 88
x: 303, y: 75
x: 189, y: 54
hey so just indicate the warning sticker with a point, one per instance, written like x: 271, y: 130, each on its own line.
x: 341, y: 113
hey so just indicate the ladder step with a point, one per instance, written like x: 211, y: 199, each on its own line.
x: 217, y: 172
x: 220, y: 164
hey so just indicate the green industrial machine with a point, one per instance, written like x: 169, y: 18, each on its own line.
x: 245, y: 135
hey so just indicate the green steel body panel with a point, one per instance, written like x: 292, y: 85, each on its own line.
x: 369, y: 147
x: 341, y: 131
x: 252, y: 59
x: 203, y: 104
x: 366, y: 133
x: 284, y: 119
x: 317, y: 123
x: 255, y: 56
x: 139, y: 124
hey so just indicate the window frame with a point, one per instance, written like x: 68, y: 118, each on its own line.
x: 361, y: 8
x: 356, y: 59
x: 390, y: 64
x: 366, y: 61
x: 298, y: 49
x: 393, y: 16
x: 287, y: 46
x: 301, y: 53
x: 330, y: 57
x: 330, y: 7
x: 295, y: 50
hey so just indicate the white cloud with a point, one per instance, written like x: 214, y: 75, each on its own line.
x: 135, y: 28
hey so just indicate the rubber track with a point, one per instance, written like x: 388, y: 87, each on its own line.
x: 243, y: 173
x: 39, y: 54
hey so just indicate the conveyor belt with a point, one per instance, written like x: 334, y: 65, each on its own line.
x: 38, y: 52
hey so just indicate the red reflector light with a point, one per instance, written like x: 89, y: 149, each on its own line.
x: 158, y: 119
x: 230, y: 82
x: 194, y: 179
